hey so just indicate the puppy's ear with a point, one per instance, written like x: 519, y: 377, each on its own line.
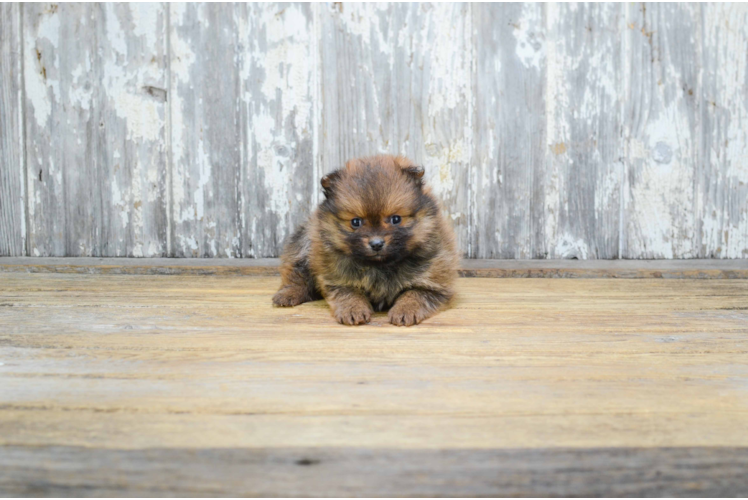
x: 353, y: 164
x: 416, y: 171
x: 407, y: 167
x: 328, y: 182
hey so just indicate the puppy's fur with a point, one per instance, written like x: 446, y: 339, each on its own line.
x: 412, y: 274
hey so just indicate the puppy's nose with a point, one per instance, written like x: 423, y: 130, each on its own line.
x: 376, y: 244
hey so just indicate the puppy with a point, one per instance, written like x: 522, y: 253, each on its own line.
x: 377, y: 242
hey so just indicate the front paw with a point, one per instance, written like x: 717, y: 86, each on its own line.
x: 289, y: 296
x: 356, y: 314
x: 407, y: 314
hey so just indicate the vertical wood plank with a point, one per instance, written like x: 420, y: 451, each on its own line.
x: 584, y: 147
x: 662, y: 130
x: 12, y: 192
x: 242, y: 126
x: 95, y: 107
x: 396, y: 79
x: 277, y: 106
x: 206, y: 130
x: 723, y: 184
x: 509, y: 123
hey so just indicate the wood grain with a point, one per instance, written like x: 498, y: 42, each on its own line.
x: 722, y: 186
x: 395, y: 78
x: 242, y: 123
x: 661, y: 130
x: 12, y: 192
x: 95, y: 105
x: 584, y: 154
x: 345, y: 472
x: 469, y: 268
x: 201, y: 130
x: 509, y: 121
x: 612, y: 375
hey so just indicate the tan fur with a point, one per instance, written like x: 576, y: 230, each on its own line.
x: 412, y: 276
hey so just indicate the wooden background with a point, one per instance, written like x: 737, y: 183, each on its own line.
x: 201, y: 130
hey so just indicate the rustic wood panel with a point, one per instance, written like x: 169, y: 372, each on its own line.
x: 661, y: 130
x: 204, y: 368
x: 61, y: 471
x: 12, y: 191
x: 584, y: 152
x: 549, y: 131
x: 396, y: 78
x: 509, y: 125
x: 722, y: 190
x: 242, y: 126
x: 473, y: 268
x: 95, y: 79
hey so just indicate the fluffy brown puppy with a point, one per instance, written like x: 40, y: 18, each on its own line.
x: 377, y: 242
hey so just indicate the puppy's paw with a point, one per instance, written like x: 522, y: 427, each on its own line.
x: 355, y: 314
x: 407, y: 314
x: 290, y: 296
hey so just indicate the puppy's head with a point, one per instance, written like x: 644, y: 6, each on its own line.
x: 377, y: 209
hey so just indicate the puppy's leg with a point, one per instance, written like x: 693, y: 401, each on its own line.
x: 298, y: 286
x: 413, y: 306
x: 348, y: 306
x: 296, y: 276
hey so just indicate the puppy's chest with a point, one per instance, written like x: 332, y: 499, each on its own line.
x: 382, y: 288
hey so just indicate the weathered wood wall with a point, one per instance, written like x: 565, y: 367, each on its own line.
x: 201, y: 130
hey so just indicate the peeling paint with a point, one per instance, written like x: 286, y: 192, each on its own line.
x: 559, y: 130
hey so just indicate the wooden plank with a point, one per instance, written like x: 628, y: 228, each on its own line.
x: 509, y: 124
x: 584, y: 116
x: 396, y: 78
x: 157, y: 376
x: 722, y: 191
x: 12, y: 192
x: 95, y: 79
x: 662, y: 130
x: 473, y: 268
x: 242, y: 127
x: 335, y: 472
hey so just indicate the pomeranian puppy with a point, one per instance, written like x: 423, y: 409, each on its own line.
x: 377, y: 242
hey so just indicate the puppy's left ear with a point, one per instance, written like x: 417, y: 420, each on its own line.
x: 415, y: 171
x: 328, y: 182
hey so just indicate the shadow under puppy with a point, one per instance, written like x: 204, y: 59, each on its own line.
x: 377, y: 242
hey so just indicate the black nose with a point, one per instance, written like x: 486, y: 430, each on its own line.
x: 376, y: 244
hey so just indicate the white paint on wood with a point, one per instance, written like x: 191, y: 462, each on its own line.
x: 661, y: 130
x: 549, y: 131
x: 12, y: 192
x: 242, y: 127
x: 96, y: 160
x: 722, y: 193
x: 396, y: 78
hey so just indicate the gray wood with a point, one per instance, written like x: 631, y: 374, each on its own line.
x: 546, y: 268
x: 661, y: 130
x: 53, y: 471
x: 584, y: 166
x: 241, y: 80
x: 722, y: 185
x: 549, y: 131
x: 395, y: 78
x: 509, y: 124
x: 12, y: 192
x: 95, y: 79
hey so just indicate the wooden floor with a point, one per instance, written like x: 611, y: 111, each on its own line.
x: 195, y: 385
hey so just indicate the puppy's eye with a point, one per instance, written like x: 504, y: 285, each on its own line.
x: 395, y: 220
x: 356, y: 222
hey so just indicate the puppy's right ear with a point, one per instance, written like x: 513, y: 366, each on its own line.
x: 328, y: 182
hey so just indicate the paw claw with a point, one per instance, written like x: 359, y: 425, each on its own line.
x: 353, y: 316
x: 399, y: 316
